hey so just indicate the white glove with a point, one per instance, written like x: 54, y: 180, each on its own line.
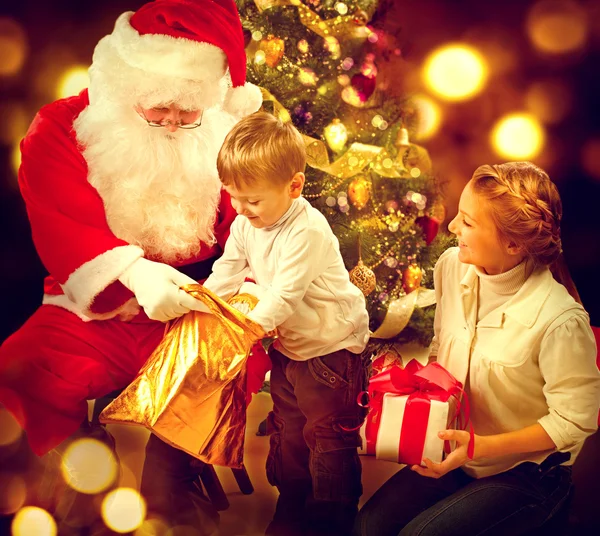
x: 157, y: 289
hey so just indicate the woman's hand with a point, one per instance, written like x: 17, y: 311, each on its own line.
x: 457, y: 458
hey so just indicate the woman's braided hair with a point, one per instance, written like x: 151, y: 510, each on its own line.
x: 525, y: 206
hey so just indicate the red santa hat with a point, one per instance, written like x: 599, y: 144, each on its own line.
x: 191, y: 43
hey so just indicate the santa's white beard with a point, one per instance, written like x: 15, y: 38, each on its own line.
x: 160, y: 190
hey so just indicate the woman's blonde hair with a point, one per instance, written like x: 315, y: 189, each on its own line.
x: 261, y: 147
x: 526, y: 208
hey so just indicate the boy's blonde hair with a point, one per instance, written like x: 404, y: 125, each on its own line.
x: 261, y: 147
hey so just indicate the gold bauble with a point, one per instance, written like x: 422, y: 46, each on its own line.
x: 273, y: 47
x: 363, y: 277
x: 411, y: 278
x: 359, y: 192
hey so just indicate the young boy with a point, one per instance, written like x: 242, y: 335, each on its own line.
x: 322, y: 325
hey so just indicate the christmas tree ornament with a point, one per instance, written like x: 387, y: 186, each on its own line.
x: 336, y: 135
x: 364, y: 86
x: 411, y: 278
x: 362, y: 276
x: 247, y: 37
x: 274, y: 48
x: 386, y: 358
x: 402, y: 144
x: 359, y: 192
x: 360, y: 17
x: 430, y: 227
x: 301, y: 116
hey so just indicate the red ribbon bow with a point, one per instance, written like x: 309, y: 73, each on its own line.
x: 422, y: 384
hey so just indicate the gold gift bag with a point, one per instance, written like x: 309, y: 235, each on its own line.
x: 192, y: 390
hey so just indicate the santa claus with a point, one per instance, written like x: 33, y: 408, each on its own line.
x: 125, y: 205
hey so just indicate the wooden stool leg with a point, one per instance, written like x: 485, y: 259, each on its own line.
x: 243, y: 480
x: 213, y: 488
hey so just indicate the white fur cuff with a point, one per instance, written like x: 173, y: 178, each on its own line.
x: 91, y: 278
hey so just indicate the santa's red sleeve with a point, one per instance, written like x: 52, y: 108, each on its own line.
x: 67, y: 215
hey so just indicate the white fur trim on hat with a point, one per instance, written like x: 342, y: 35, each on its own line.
x: 167, y: 56
x: 243, y: 100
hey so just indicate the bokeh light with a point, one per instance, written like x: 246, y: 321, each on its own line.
x: 455, y: 72
x: 10, y: 431
x: 518, y: 136
x: 13, y: 492
x: 550, y: 100
x: 72, y: 82
x: 15, y: 157
x: 307, y: 77
x: 14, y: 119
x: 152, y: 527
x: 13, y: 47
x: 123, y: 510
x: 590, y: 157
x: 557, y: 26
x: 89, y: 466
x: 429, y: 117
x: 33, y: 521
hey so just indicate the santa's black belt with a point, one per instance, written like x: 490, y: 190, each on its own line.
x: 198, y: 270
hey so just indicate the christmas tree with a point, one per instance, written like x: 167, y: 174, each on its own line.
x: 330, y: 68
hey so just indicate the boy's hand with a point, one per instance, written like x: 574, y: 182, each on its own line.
x: 157, y: 289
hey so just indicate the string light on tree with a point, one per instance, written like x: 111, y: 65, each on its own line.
x: 307, y: 77
x: 336, y: 135
x: 518, y: 136
x: 455, y: 72
x: 411, y: 278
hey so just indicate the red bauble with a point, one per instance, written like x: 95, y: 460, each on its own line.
x: 363, y: 85
x: 430, y: 227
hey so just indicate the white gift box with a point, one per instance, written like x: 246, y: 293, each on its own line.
x: 390, y: 429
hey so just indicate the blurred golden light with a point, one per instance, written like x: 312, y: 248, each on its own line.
x: 15, y: 157
x: 351, y: 96
x: 429, y: 117
x: 303, y: 46
x: 557, y: 26
x: 455, y: 72
x: 123, y: 510
x: 31, y: 521
x: 152, y: 527
x: 336, y: 135
x: 307, y: 77
x: 13, y: 493
x: 89, y: 466
x: 550, y: 101
x: 14, y: 119
x: 260, y: 57
x: 10, y: 430
x: 72, y: 82
x: 518, y: 136
x: 590, y: 157
x: 13, y: 47
x: 332, y: 45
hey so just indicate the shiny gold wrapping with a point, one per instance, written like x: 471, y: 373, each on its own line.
x: 192, y: 390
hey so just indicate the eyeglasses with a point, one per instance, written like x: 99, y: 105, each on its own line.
x: 178, y: 124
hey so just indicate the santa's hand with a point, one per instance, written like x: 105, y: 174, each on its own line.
x: 157, y: 289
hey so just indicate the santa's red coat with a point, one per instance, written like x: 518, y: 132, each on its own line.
x: 68, y: 220
x: 58, y: 360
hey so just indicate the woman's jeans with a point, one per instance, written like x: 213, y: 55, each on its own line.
x: 510, y: 503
